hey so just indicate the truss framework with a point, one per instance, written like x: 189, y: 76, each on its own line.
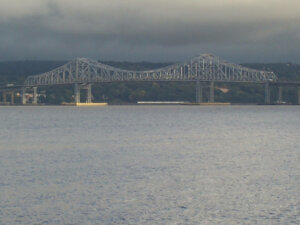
x: 205, y: 67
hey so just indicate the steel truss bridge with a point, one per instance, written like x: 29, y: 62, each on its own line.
x: 204, y: 68
x: 83, y: 72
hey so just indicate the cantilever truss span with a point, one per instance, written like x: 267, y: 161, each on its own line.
x: 202, y: 68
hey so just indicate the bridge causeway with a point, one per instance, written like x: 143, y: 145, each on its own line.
x: 203, y: 69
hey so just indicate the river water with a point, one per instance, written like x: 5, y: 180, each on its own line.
x: 150, y: 165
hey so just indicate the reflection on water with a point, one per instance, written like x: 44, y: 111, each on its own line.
x: 150, y: 165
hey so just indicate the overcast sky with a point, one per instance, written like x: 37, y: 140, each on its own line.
x: 150, y: 30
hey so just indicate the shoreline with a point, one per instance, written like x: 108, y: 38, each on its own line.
x: 151, y: 104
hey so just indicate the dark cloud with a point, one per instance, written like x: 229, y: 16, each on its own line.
x: 150, y: 30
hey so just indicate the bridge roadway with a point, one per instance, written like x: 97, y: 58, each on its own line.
x: 203, y: 69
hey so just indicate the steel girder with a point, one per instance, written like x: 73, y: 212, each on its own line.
x: 202, y: 68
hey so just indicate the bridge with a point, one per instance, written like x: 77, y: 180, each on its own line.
x: 203, y: 69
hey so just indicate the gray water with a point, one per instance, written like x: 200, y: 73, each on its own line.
x: 150, y: 165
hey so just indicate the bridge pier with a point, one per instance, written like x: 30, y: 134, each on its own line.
x: 23, y: 96
x: 267, y: 93
x: 89, y: 93
x: 212, y: 92
x: 78, y: 87
x: 280, y: 94
x: 199, y: 92
x: 77, y: 93
x: 12, y: 98
x: 4, y: 97
x: 34, y: 100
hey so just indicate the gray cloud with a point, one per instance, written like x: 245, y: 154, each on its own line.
x: 168, y: 30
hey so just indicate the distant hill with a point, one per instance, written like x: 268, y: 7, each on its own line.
x: 16, y: 72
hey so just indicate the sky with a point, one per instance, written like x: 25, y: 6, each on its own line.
x: 150, y: 30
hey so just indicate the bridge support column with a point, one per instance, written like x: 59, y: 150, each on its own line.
x: 299, y: 95
x: 77, y: 93
x: 4, y: 97
x: 280, y: 94
x: 23, y: 96
x: 199, y: 91
x: 267, y: 93
x: 34, y: 100
x: 77, y: 89
x: 12, y: 98
x: 212, y: 92
x: 89, y: 93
